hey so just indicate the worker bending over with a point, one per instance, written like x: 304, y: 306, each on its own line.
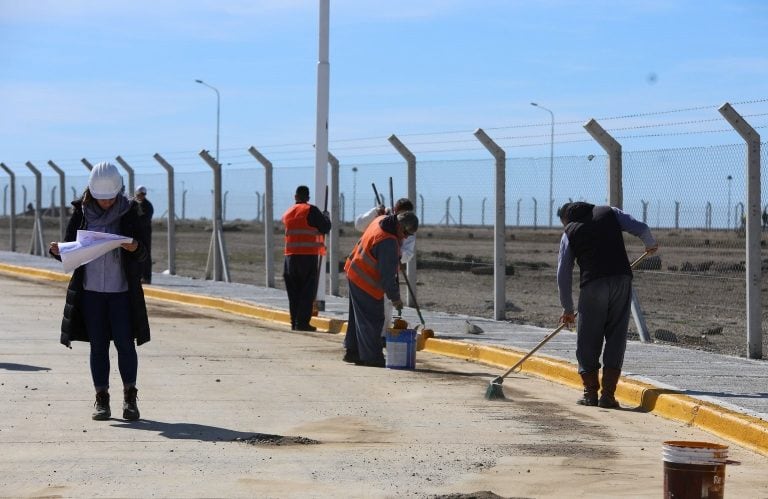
x: 593, y: 238
x: 371, y: 271
x: 407, y: 247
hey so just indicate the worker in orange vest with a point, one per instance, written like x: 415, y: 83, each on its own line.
x: 371, y: 271
x: 305, y: 228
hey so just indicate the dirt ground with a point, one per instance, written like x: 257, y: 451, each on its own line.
x: 234, y: 407
x: 692, y: 295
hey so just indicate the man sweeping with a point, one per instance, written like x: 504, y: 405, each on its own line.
x: 593, y: 238
x: 371, y: 271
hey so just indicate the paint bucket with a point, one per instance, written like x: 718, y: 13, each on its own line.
x: 694, y: 470
x: 401, y: 349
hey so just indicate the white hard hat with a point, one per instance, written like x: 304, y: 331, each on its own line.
x: 141, y: 190
x: 105, y: 181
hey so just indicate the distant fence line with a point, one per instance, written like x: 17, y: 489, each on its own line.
x: 704, y: 188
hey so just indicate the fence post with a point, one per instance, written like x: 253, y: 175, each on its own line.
x: 613, y: 148
x: 269, y: 219
x: 535, y: 213
x: 645, y: 210
x: 410, y: 160
x: 754, y: 271
x: 677, y: 215
x: 217, y: 251
x: 616, y: 198
x: 36, y: 245
x: 12, y: 220
x: 129, y: 170
x: 499, y: 225
x: 333, y: 249
x: 171, y: 215
x: 62, y: 199
x: 87, y: 164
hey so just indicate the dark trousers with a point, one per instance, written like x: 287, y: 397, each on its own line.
x: 300, y: 274
x: 108, y: 317
x: 366, y: 319
x: 604, y: 308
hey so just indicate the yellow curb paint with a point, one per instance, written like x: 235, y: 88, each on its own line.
x: 744, y: 430
x: 33, y: 272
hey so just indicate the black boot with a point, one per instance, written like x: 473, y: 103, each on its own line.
x: 591, y: 384
x: 102, y: 412
x: 610, y: 379
x: 130, y: 409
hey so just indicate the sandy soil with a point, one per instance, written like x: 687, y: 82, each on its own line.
x: 218, y: 392
x: 692, y: 294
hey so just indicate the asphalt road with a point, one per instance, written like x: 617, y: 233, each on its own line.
x: 234, y: 407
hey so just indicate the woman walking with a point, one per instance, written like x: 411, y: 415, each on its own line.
x: 105, y: 300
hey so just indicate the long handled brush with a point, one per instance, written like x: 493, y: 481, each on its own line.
x: 415, y: 303
x: 495, y: 391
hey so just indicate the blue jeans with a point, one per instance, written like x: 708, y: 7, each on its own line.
x: 108, y: 317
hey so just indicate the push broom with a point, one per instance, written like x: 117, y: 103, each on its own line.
x: 495, y: 391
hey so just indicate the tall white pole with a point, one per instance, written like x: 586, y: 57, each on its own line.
x: 551, y: 156
x: 321, y: 129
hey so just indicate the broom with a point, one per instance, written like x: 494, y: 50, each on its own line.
x: 495, y: 391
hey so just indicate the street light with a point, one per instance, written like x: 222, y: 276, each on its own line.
x: 354, y: 192
x: 729, y: 178
x: 218, y: 114
x: 551, y: 156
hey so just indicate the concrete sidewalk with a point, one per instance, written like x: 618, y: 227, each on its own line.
x: 725, y: 395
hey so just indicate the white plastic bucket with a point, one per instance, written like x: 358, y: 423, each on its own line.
x: 694, y: 470
x: 401, y: 349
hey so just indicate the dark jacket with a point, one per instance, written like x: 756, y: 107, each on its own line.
x: 597, y: 241
x: 73, y: 326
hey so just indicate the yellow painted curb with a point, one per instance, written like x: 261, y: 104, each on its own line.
x: 33, y: 272
x: 744, y: 430
x: 324, y: 324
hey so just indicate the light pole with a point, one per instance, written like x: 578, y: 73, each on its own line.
x: 218, y: 114
x: 354, y: 192
x: 729, y: 178
x: 551, y: 156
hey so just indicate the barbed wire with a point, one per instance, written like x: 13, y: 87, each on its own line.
x: 297, y: 151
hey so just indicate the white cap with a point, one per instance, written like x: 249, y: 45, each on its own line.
x: 141, y: 190
x: 105, y: 181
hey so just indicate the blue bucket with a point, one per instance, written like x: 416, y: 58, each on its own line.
x: 401, y: 349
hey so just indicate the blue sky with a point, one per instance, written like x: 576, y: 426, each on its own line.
x: 94, y: 79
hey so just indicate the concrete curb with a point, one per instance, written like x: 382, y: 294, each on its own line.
x: 744, y: 430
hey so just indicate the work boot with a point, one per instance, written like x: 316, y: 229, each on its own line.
x: 130, y: 409
x: 102, y: 412
x: 591, y: 383
x: 610, y: 379
x: 351, y: 356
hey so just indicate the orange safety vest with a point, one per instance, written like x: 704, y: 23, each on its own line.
x: 300, y: 237
x: 361, y: 266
